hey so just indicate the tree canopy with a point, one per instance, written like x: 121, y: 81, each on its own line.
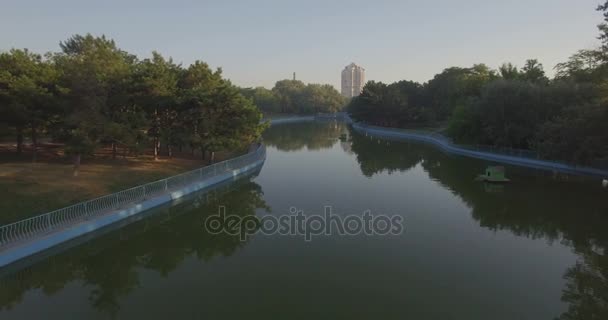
x: 93, y: 93
x: 293, y: 96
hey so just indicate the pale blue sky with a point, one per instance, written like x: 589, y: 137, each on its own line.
x: 258, y: 42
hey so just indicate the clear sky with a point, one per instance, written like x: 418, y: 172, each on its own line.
x: 258, y: 42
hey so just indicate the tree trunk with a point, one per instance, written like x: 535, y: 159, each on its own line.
x: 169, y: 150
x: 156, y: 145
x: 212, y: 160
x: 76, y: 164
x: 156, y: 134
x: 19, y: 140
x: 34, y: 144
x: 114, y: 151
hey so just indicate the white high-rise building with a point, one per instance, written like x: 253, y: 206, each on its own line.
x: 353, y: 80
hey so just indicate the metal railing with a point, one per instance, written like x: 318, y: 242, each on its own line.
x: 44, y: 223
x: 530, y: 154
x: 504, y: 155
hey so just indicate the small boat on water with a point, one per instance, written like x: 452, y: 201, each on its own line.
x: 494, y: 174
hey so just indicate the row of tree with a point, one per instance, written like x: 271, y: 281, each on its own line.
x: 92, y: 93
x: 407, y: 103
x: 562, y: 118
x: 293, y: 96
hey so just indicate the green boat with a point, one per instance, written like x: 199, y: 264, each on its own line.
x: 493, y: 174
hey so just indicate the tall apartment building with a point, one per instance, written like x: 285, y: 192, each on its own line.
x: 353, y: 80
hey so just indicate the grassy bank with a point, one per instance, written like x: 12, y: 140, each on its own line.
x: 34, y: 188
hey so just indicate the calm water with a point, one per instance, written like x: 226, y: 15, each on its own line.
x: 533, y: 249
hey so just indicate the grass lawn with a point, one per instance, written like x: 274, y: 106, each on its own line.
x: 30, y: 188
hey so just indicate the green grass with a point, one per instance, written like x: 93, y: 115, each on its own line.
x: 31, y: 189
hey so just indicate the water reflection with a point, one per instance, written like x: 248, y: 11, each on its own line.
x: 535, y: 205
x: 119, y: 273
x: 309, y: 135
x: 111, y: 266
x: 373, y: 157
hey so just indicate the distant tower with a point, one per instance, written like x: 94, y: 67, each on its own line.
x: 294, y: 76
x: 353, y: 80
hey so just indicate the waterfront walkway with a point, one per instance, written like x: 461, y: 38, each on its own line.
x: 447, y: 145
x: 522, y: 158
x: 29, y: 237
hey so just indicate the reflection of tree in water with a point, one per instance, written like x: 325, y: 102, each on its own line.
x: 375, y: 156
x: 534, y: 206
x: 587, y: 289
x: 109, y: 265
x: 297, y: 136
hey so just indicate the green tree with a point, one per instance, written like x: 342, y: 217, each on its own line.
x: 219, y: 116
x: 577, y: 135
x: 289, y: 94
x: 362, y: 107
x: 28, y: 93
x: 603, y: 27
x: 583, y: 66
x: 318, y: 98
x: 157, y: 93
x: 232, y: 121
x: 533, y: 71
x: 198, y: 85
x: 509, y: 72
x: 264, y: 99
x: 95, y: 71
x: 455, y: 86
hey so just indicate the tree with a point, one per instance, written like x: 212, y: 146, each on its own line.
x: 508, y: 71
x: 510, y: 112
x: 197, y: 87
x: 263, y: 98
x: 224, y: 119
x: 94, y: 69
x: 293, y: 96
x: 577, y: 135
x: 603, y: 27
x: 583, y: 66
x: 465, y: 124
x: 333, y: 100
x: 533, y: 71
x: 362, y: 107
x: 289, y: 94
x: 398, y: 104
x: 156, y: 91
x: 455, y: 86
x: 317, y: 98
x: 28, y: 93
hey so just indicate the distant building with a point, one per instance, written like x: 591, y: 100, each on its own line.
x: 353, y: 80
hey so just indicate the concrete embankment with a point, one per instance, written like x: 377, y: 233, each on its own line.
x: 32, y: 246
x: 444, y: 144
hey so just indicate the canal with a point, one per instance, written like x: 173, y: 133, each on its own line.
x: 531, y: 249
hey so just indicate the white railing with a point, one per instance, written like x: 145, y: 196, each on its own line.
x: 495, y: 154
x: 44, y: 223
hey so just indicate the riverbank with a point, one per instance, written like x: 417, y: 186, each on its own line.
x: 35, y: 235
x: 446, y: 144
x: 49, y: 184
